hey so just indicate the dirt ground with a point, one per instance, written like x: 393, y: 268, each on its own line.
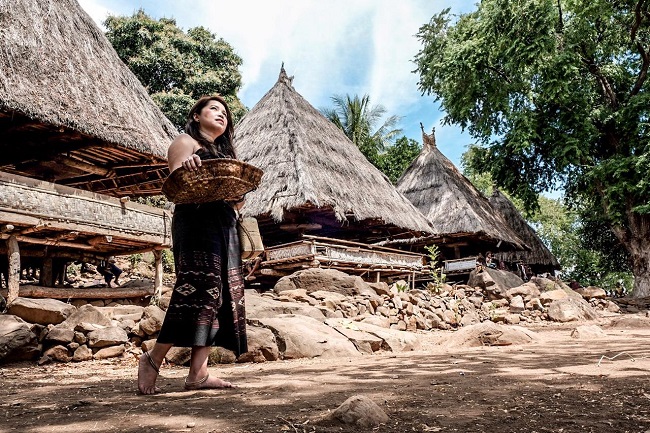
x: 557, y: 384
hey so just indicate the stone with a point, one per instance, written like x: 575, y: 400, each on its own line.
x: 305, y: 337
x: 152, y: 319
x: 107, y: 337
x: 393, y: 340
x: 262, y: 346
x: 591, y: 292
x: 58, y: 353
x: 517, y: 304
x: 258, y: 307
x: 59, y: 335
x: 82, y: 353
x: 331, y: 280
x: 42, y: 311
x: 363, y: 341
x: 527, y: 291
x: 571, y: 309
x: 588, y: 332
x: 220, y: 355
x: 360, y: 411
x: 17, y: 341
x: 552, y: 295
x: 109, y: 352
x: 86, y: 314
x: 490, y: 334
x: 179, y: 355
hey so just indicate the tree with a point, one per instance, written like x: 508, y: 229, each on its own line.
x: 397, y: 158
x: 176, y: 67
x: 357, y: 119
x: 556, y: 93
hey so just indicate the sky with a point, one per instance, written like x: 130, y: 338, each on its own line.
x: 330, y: 47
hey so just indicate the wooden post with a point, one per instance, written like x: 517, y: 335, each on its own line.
x: 13, y: 280
x: 47, y: 273
x: 158, y: 276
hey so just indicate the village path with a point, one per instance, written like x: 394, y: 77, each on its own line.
x: 557, y: 384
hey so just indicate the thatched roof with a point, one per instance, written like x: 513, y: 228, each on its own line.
x: 315, y: 176
x: 452, y: 204
x: 71, y: 112
x: 539, y: 256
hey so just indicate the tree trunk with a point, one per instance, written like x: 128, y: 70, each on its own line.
x: 639, y: 249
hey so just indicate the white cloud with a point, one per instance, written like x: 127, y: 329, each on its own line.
x: 331, y: 47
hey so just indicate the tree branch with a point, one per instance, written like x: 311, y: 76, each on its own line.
x: 592, y: 67
x: 643, y: 73
x: 501, y: 74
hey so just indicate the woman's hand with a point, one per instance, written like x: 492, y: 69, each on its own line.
x: 193, y: 162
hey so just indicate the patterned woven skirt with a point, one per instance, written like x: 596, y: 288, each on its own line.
x: 207, y: 304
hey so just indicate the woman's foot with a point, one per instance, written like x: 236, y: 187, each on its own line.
x: 147, y: 375
x: 207, y: 382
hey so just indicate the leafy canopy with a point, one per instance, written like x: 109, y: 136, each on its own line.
x: 358, y: 120
x: 176, y: 67
x: 555, y: 91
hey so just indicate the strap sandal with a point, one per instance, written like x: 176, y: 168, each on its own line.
x: 153, y: 364
x: 197, y: 384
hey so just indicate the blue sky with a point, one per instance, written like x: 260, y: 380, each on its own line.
x: 331, y: 47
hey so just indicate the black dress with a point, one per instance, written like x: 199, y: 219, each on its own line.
x: 207, y: 304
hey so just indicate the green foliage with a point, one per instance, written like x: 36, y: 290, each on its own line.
x: 556, y: 94
x: 358, y: 120
x: 176, y: 67
x: 168, y: 261
x: 134, y: 259
x: 397, y: 158
x: 437, y: 271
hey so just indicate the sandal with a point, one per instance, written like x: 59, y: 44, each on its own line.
x: 153, y: 364
x: 190, y: 386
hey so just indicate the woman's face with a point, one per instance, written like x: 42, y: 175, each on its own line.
x: 213, y: 118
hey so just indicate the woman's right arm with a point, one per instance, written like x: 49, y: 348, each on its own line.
x: 181, y: 153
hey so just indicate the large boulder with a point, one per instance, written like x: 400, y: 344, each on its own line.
x: 490, y: 334
x: 305, y: 337
x: 258, y: 306
x: 262, y: 346
x: 17, y: 342
x: 86, y: 314
x: 41, y: 311
x: 393, y: 340
x: 571, y: 309
x: 494, y: 281
x: 364, y: 341
x: 314, y: 279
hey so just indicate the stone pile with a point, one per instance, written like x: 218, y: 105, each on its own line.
x: 311, y: 313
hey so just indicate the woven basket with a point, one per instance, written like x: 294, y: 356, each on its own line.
x: 216, y: 179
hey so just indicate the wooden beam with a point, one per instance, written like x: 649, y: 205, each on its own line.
x: 29, y: 291
x: 158, y: 276
x: 34, y: 229
x: 84, y: 166
x: 13, y: 279
x: 54, y: 242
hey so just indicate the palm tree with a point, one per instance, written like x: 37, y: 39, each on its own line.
x: 357, y: 119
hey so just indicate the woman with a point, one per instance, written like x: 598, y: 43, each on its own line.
x: 207, y: 305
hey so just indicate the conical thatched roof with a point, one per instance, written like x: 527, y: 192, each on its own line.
x: 452, y: 204
x: 539, y: 257
x: 71, y: 112
x: 315, y: 176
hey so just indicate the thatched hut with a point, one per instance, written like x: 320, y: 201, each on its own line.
x: 538, y: 258
x: 465, y: 221
x: 316, y: 181
x: 71, y: 112
x: 73, y: 117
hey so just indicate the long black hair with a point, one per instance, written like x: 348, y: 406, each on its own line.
x: 223, y: 146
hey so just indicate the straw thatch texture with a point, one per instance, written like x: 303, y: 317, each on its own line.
x: 312, y: 169
x: 539, y: 258
x: 64, y: 91
x: 451, y: 203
